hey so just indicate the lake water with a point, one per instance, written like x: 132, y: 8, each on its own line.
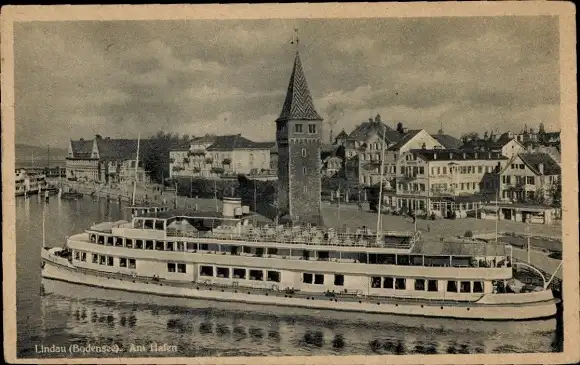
x: 88, y: 316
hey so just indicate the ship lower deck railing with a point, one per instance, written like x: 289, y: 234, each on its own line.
x: 273, y: 288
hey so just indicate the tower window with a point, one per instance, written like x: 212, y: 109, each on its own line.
x: 298, y: 128
x: 304, y: 152
x: 312, y: 128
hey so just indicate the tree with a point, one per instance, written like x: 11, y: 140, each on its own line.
x: 556, y: 193
x: 470, y: 136
x: 156, y: 154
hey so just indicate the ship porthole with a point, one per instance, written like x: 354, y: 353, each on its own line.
x: 378, y: 303
x: 266, y: 293
x: 421, y: 305
x: 285, y: 296
x: 396, y: 305
x: 222, y: 290
x: 235, y: 291
x: 441, y: 307
x: 197, y: 288
x: 359, y: 302
x: 210, y: 289
x: 467, y: 308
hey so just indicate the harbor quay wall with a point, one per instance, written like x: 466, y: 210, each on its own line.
x: 515, y: 312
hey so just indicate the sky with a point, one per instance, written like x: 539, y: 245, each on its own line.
x: 121, y: 78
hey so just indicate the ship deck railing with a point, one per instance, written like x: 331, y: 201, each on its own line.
x: 337, y: 239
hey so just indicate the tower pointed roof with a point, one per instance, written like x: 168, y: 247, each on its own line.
x: 298, y: 103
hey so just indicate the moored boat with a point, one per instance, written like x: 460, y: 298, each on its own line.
x: 28, y: 183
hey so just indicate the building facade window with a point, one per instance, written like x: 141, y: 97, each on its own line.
x: 298, y: 128
x: 312, y: 128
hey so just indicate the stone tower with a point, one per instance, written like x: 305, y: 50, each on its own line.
x: 298, y: 135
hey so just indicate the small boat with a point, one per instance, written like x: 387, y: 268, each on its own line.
x: 71, y: 195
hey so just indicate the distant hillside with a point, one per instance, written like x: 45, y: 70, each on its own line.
x: 26, y: 153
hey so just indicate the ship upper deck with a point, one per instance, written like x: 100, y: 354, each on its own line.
x: 456, y: 247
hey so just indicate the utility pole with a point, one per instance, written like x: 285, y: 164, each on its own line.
x: 215, y: 194
x: 255, y: 208
x: 529, y: 247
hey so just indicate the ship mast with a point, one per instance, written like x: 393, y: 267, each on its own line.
x: 43, y: 230
x: 496, y: 214
x: 136, y: 168
x: 380, y: 205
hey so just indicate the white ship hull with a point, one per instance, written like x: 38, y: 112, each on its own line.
x: 530, y: 305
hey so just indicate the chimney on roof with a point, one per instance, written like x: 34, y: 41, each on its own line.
x: 541, y: 168
x: 464, y: 155
x: 475, y: 154
x: 405, y: 130
x: 450, y: 155
x: 434, y: 155
x: 489, y: 155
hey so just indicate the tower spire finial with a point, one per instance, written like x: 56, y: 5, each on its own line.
x: 296, y: 40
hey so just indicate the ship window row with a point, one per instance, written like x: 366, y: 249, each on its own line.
x: 80, y: 256
x: 106, y: 260
x: 301, y: 254
x: 239, y: 273
x: 389, y: 283
x: 427, y: 285
x: 464, y: 287
x: 176, y: 267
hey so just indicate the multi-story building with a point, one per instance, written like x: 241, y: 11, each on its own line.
x: 413, y: 139
x: 298, y: 137
x: 341, y: 138
x: 332, y: 166
x: 238, y: 155
x: 447, y: 141
x: 506, y: 145
x: 219, y: 156
x: 529, y: 177
x: 105, y: 160
x: 442, y: 181
x: 363, y: 149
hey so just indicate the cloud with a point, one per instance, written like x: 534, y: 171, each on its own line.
x: 117, y: 78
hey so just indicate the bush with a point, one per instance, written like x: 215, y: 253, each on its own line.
x: 468, y: 234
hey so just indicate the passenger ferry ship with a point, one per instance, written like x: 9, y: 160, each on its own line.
x: 225, y: 256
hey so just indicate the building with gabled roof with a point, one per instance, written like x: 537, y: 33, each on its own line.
x: 507, y: 146
x: 221, y: 156
x: 364, y: 142
x: 341, y: 138
x: 448, y: 141
x: 529, y: 177
x: 105, y: 160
